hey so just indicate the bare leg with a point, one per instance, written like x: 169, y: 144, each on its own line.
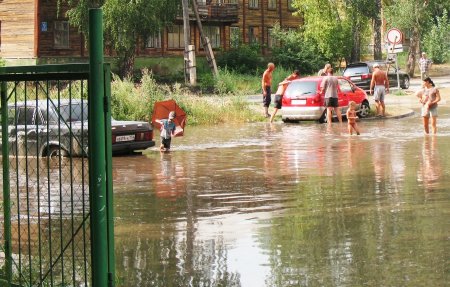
x: 339, y: 115
x: 383, y: 109
x: 356, y: 128
x: 273, y: 115
x: 433, y: 125
x: 329, y: 115
x: 350, y: 130
x: 266, y: 111
x: 377, y: 106
x: 425, y: 124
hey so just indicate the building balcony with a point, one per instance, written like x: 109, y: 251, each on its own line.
x: 226, y: 13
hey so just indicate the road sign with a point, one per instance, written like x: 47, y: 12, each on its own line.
x: 395, y: 48
x: 394, y: 36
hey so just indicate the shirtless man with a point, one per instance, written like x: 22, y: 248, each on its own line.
x: 380, y: 86
x: 266, y: 83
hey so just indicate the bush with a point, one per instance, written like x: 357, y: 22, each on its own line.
x: 296, y: 52
x: 437, y: 41
x: 245, y: 59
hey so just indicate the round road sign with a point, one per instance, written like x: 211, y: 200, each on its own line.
x: 394, y: 36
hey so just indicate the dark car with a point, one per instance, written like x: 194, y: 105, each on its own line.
x: 302, y: 99
x: 361, y: 74
x: 48, y: 128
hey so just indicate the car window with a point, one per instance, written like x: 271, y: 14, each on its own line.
x: 356, y: 70
x: 301, y: 88
x: 25, y: 116
x: 74, y: 112
x: 392, y: 70
x: 345, y: 86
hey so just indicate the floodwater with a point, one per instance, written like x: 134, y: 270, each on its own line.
x: 288, y: 205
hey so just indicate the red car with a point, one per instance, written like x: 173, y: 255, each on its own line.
x: 302, y: 99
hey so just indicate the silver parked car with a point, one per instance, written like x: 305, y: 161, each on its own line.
x: 49, y: 128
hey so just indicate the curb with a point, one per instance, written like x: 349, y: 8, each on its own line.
x: 404, y: 115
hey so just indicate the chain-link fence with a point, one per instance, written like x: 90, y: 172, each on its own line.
x: 46, y: 226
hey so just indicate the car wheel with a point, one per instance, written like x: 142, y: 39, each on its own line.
x: 364, y: 110
x: 54, y: 152
x: 405, y: 83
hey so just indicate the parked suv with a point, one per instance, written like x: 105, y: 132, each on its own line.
x: 49, y: 128
x: 361, y: 74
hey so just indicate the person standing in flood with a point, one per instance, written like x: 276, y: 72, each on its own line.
x: 429, y: 98
x: 266, y: 84
x: 380, y: 86
x: 329, y: 87
x: 280, y: 92
x: 167, y: 131
x: 425, y: 66
x: 326, y: 71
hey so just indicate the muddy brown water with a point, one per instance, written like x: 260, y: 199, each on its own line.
x: 288, y: 205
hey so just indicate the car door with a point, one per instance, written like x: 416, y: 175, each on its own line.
x: 345, y: 93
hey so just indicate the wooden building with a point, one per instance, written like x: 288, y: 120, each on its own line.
x: 31, y: 30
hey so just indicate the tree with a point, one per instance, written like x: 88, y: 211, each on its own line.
x: 125, y: 23
x: 377, y: 51
x: 437, y: 40
x: 325, y: 24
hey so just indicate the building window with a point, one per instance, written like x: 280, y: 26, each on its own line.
x: 253, y: 34
x: 175, y: 37
x: 154, y: 41
x: 61, y: 34
x: 213, y: 33
x: 290, y: 5
x: 271, y: 40
x: 253, y: 4
x: 235, y: 37
x: 272, y: 4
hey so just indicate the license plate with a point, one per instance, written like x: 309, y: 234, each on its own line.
x: 298, y: 102
x: 355, y: 78
x: 125, y: 138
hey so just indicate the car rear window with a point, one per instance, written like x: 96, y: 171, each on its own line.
x: 356, y: 70
x: 74, y: 112
x: 301, y: 88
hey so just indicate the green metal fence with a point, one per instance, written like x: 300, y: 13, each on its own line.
x: 57, y: 186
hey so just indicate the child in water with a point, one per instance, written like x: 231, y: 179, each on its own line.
x: 167, y: 131
x: 351, y: 118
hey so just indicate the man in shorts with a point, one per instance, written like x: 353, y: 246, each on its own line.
x: 280, y: 92
x: 329, y: 87
x: 266, y: 83
x: 380, y: 86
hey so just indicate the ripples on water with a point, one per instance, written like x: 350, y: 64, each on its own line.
x: 288, y: 205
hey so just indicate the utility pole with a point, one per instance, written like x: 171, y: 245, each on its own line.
x: 189, y: 74
x: 205, y: 41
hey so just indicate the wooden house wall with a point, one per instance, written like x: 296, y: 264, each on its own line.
x: 263, y: 18
x: 48, y: 13
x: 17, y: 29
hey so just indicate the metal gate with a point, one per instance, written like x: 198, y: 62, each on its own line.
x: 57, y: 185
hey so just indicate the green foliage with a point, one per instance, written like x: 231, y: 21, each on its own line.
x: 130, y: 101
x: 327, y: 25
x: 2, y: 62
x: 296, y: 52
x: 244, y: 59
x: 437, y: 40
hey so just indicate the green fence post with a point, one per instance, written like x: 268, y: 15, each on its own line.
x: 97, y: 163
x: 6, y: 186
x: 109, y: 180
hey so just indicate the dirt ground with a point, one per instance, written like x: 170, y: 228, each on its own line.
x: 437, y: 70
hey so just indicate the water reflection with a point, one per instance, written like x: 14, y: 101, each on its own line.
x: 287, y: 205
x: 430, y: 169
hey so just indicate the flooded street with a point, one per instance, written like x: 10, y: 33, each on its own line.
x: 288, y: 205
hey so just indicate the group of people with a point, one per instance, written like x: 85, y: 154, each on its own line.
x: 428, y: 95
